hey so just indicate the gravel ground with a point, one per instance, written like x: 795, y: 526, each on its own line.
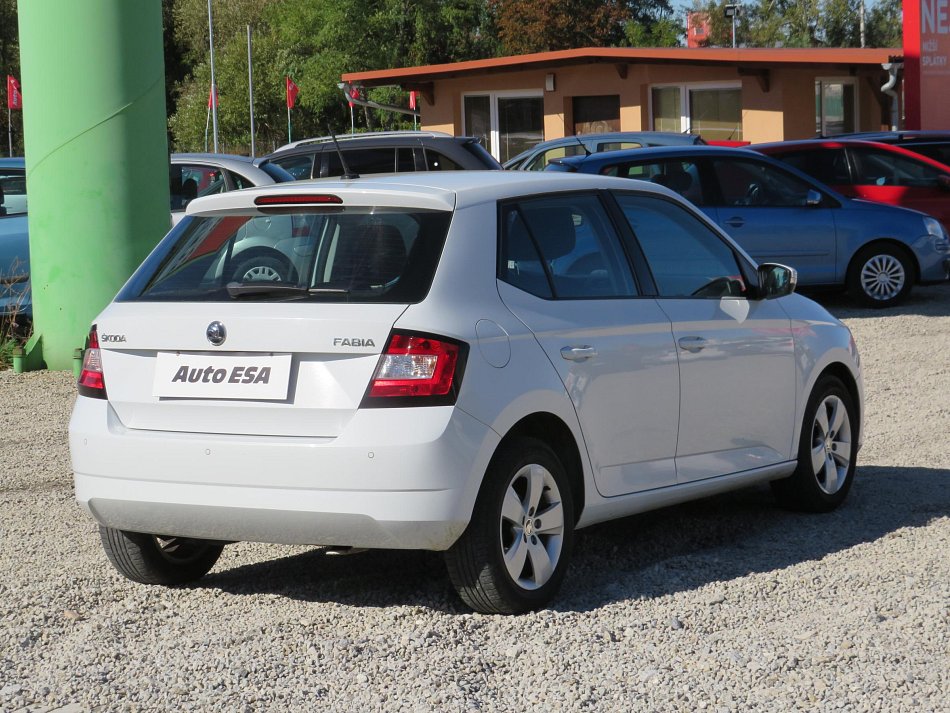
x: 727, y: 604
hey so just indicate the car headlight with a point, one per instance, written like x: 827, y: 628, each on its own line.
x: 935, y: 229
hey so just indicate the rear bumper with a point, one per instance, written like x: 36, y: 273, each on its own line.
x: 396, y: 478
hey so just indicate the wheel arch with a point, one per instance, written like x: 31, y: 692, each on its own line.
x: 553, y: 431
x: 841, y: 371
x: 878, y: 243
x: 256, y: 251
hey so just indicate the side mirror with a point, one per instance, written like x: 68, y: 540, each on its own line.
x: 776, y: 280
x: 813, y: 198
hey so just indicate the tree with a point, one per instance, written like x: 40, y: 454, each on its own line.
x: 806, y: 23
x: 526, y: 26
x: 883, y: 26
x: 315, y: 41
x: 661, y: 32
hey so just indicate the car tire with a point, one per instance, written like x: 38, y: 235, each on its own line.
x: 513, y: 555
x: 881, y: 275
x: 154, y: 559
x: 262, y: 268
x: 827, y: 451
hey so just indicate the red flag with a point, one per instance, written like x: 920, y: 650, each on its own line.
x: 292, y: 91
x: 212, y: 98
x: 14, y: 96
x: 412, y: 100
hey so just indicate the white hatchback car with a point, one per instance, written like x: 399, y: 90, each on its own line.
x: 474, y: 362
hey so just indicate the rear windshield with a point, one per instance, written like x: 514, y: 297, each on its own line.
x: 352, y: 255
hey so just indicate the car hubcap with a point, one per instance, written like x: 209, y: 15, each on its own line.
x: 261, y: 273
x: 831, y: 444
x: 882, y: 277
x: 532, y: 526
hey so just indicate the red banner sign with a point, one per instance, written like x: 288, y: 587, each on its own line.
x: 14, y: 96
x: 292, y: 91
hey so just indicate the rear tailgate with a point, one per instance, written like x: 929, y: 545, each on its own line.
x: 162, y: 372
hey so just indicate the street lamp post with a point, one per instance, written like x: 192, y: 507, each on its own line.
x: 732, y: 11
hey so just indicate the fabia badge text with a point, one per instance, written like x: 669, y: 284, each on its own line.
x: 353, y: 342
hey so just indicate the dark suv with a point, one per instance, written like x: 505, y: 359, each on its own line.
x: 383, y: 152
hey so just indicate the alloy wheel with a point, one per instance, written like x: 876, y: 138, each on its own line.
x: 532, y: 527
x: 883, y: 277
x: 831, y: 444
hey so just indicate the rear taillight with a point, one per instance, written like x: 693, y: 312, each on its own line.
x: 417, y: 370
x: 91, y: 380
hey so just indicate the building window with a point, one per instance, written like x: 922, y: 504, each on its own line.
x: 506, y: 122
x: 713, y: 112
x: 835, y: 106
x: 597, y: 114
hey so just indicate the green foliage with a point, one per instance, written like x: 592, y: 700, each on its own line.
x: 545, y: 25
x: 662, y: 32
x: 883, y: 24
x: 314, y: 42
x: 805, y: 23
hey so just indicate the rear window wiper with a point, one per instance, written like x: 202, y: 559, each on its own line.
x: 240, y: 289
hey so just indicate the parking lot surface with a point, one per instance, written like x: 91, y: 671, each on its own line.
x: 726, y: 604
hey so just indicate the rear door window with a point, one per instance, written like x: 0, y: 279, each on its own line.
x: 541, y: 161
x: 12, y: 191
x: 299, y: 166
x: 751, y: 183
x: 827, y: 165
x: 362, y: 161
x: 563, y: 247
x: 873, y: 167
x: 436, y: 161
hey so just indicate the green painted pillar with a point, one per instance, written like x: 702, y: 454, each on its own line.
x: 93, y: 77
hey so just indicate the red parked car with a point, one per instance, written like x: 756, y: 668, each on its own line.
x: 873, y: 171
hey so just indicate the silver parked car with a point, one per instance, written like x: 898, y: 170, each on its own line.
x: 191, y: 175
x: 540, y: 155
x: 474, y: 362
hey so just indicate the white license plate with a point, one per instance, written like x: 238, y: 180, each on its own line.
x: 222, y: 376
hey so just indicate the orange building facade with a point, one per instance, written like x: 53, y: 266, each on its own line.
x: 741, y: 94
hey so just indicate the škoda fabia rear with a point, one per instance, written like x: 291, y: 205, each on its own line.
x: 473, y: 362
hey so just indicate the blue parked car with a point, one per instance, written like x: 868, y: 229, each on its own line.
x: 14, y: 241
x: 778, y: 214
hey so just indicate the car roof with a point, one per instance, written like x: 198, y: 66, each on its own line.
x: 433, y: 190
x: 391, y: 138
x: 364, y: 136
x: 654, y: 152
x: 896, y: 136
x: 778, y: 146
x: 670, y: 138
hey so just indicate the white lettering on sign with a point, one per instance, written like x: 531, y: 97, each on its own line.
x: 934, y: 15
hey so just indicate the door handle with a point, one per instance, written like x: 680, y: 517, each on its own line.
x: 735, y: 222
x: 578, y: 353
x: 692, y: 344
